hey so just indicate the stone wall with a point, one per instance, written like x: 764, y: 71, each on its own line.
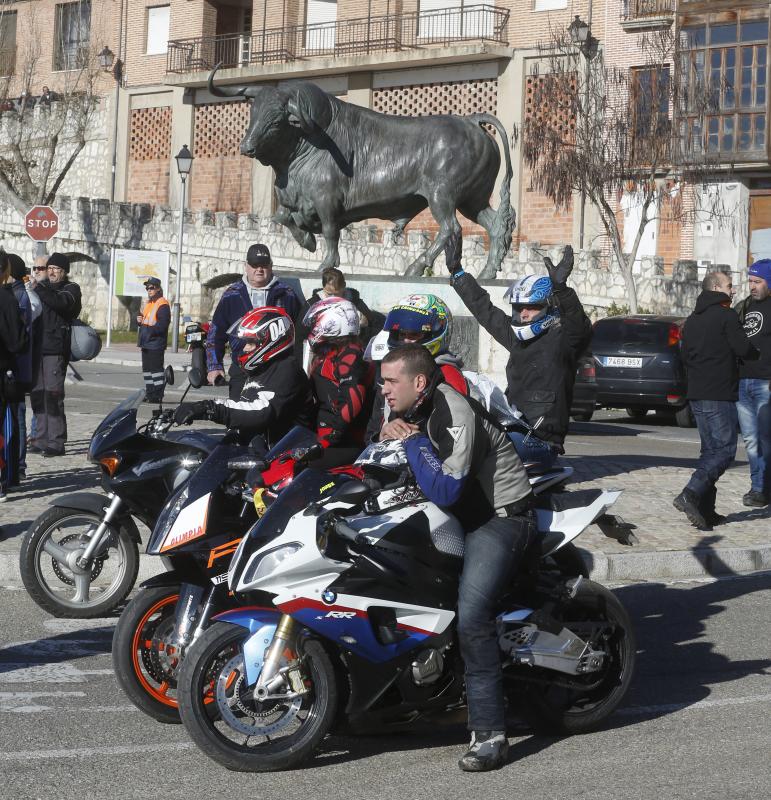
x: 215, y: 243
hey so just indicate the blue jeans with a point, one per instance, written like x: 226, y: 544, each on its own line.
x: 718, y: 431
x: 21, y: 410
x: 492, y: 555
x: 533, y: 450
x: 754, y: 410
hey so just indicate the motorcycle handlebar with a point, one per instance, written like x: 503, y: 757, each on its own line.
x: 345, y: 531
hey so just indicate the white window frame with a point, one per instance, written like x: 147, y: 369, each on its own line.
x: 158, y: 45
x: 550, y: 5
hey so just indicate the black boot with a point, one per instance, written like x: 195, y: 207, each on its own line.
x: 688, y: 503
x: 707, y: 508
x: 487, y: 750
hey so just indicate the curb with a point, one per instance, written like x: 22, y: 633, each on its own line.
x: 603, y: 567
x: 129, y: 362
x: 676, y: 564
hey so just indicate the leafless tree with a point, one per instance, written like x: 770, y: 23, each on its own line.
x: 41, y: 136
x: 604, y: 132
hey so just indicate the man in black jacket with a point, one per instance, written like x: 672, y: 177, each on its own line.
x: 545, y: 334
x: 712, y: 343
x: 61, y: 305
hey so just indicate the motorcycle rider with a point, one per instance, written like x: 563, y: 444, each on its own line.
x: 277, y: 393
x: 545, y: 334
x: 341, y: 378
x: 463, y: 461
x: 416, y: 319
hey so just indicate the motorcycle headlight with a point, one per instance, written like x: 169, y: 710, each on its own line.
x: 263, y: 565
x: 172, y: 512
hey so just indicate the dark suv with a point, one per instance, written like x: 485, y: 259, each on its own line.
x: 638, y: 365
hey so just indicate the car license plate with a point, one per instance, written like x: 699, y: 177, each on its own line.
x: 193, y: 337
x: 621, y: 361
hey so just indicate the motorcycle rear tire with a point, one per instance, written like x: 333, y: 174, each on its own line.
x: 46, y: 597
x: 127, y: 657
x: 200, y: 719
x: 544, y: 707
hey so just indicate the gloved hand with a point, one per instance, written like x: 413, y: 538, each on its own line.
x: 453, y: 252
x: 560, y: 274
x: 187, y: 412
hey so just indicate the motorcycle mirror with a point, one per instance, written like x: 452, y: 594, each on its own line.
x: 352, y: 492
x: 194, y: 377
x: 169, y: 375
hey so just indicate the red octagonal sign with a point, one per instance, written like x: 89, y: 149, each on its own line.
x: 41, y: 223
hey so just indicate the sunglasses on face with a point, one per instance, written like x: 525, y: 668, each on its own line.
x: 38, y: 269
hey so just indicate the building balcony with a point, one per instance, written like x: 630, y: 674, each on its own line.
x: 646, y: 15
x: 338, y: 46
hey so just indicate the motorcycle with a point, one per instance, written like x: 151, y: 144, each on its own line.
x: 80, y: 558
x: 196, y: 534
x: 362, y: 577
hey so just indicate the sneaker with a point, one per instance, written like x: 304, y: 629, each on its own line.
x: 487, y: 750
x: 755, y: 499
x: 3, y: 495
x: 33, y: 448
x: 688, y: 503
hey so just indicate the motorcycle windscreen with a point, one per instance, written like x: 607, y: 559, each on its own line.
x: 117, y: 425
x: 297, y: 438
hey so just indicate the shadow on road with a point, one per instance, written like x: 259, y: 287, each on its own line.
x: 57, y: 649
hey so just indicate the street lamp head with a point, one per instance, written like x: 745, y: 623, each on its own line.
x: 106, y: 57
x: 184, y: 161
x: 579, y: 31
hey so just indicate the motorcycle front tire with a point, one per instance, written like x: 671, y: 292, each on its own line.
x: 552, y: 711
x: 139, y: 652
x: 51, y: 598
x: 201, y: 719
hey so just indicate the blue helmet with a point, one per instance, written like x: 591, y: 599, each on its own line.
x: 532, y: 290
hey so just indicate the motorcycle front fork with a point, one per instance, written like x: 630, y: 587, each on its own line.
x: 190, y: 623
x: 86, y: 557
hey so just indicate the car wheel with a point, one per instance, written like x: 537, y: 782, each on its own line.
x: 636, y: 412
x: 583, y: 416
x: 684, y: 417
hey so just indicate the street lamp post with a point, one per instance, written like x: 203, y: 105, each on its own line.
x: 106, y: 58
x: 184, y: 160
x: 581, y: 35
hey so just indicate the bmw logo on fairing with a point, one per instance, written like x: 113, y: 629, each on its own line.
x: 328, y: 597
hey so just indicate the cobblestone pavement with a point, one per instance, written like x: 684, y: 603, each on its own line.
x: 649, y: 483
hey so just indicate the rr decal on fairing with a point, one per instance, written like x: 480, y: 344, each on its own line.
x: 340, y: 614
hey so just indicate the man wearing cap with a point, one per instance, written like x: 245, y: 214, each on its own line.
x: 754, y: 404
x: 153, y: 329
x: 258, y: 288
x: 61, y: 302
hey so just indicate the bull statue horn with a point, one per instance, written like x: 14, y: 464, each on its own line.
x: 225, y: 92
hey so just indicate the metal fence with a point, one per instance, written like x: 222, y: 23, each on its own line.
x: 344, y: 37
x: 639, y: 9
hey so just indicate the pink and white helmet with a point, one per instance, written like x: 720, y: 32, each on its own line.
x: 331, y: 318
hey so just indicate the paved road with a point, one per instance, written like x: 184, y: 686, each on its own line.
x: 694, y: 725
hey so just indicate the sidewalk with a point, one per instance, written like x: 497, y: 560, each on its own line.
x: 669, y: 548
x: 127, y: 354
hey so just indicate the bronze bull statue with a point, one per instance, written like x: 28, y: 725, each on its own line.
x: 337, y: 163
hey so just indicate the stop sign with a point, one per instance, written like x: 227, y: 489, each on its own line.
x: 41, y: 223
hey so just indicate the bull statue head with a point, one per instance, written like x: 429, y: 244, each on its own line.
x: 278, y: 116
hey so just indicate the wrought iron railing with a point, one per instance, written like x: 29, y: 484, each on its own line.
x: 388, y: 33
x: 640, y: 9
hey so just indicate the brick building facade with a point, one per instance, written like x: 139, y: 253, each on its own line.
x: 395, y: 56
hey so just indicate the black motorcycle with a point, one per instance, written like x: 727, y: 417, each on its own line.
x: 80, y: 558
x: 196, y: 535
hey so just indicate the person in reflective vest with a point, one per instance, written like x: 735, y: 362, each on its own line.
x: 153, y: 325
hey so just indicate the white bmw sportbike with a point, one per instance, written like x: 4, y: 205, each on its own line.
x: 349, y: 590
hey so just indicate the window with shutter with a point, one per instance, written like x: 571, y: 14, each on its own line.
x: 322, y: 15
x: 157, y: 29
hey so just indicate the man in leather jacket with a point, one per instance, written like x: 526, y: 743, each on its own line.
x: 463, y: 461
x: 541, y: 369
